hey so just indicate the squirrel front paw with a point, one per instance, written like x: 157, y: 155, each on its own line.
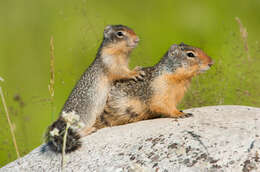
x: 176, y: 114
x: 185, y: 115
x: 138, y: 73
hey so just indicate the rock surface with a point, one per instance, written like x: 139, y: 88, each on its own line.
x: 216, y: 138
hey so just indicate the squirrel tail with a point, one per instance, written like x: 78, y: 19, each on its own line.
x: 55, y: 134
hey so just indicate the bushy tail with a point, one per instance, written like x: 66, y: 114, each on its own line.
x: 55, y: 135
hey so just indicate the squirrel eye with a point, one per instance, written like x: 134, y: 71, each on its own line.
x: 190, y: 54
x: 120, y: 34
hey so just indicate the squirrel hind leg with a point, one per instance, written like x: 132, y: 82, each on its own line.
x: 87, y: 131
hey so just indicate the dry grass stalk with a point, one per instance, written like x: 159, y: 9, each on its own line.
x: 244, y: 36
x: 52, y: 77
x: 9, y: 122
x: 51, y: 85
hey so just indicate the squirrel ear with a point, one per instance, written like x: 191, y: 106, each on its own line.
x: 174, y: 49
x: 107, y: 31
x: 182, y: 44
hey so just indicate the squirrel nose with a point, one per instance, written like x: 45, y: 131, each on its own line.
x: 211, y: 63
x: 136, y: 40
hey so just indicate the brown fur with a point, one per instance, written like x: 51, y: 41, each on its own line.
x: 169, y: 89
x: 117, y: 59
x: 135, y: 108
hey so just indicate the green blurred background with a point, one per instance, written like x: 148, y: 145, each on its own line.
x: 77, y: 27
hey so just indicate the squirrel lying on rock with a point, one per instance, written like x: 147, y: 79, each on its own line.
x: 161, y: 89
x: 88, y: 98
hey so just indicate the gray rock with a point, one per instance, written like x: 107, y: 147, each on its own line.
x: 215, y: 139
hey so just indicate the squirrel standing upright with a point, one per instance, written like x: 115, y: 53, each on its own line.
x: 161, y: 89
x: 88, y: 98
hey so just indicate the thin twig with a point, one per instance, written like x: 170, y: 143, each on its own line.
x: 9, y: 122
x: 64, y: 146
x: 244, y: 36
x: 52, y: 77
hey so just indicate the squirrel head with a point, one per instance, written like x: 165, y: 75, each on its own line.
x: 120, y: 35
x: 195, y: 56
x: 186, y: 56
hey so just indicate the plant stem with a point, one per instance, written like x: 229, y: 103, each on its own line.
x: 244, y: 36
x: 52, y: 77
x: 64, y: 146
x: 9, y: 122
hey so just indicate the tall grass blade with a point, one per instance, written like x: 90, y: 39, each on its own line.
x: 9, y: 122
x: 52, y: 77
